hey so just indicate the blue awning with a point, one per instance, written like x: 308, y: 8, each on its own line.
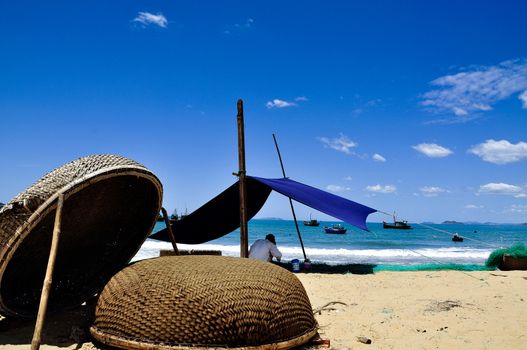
x: 335, y: 206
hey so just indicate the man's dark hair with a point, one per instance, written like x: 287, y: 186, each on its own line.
x: 270, y: 238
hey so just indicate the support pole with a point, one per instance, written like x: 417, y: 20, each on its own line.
x: 169, y: 229
x: 290, y: 201
x: 244, y: 236
x: 44, y: 296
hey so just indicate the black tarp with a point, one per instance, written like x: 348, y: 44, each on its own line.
x: 219, y: 216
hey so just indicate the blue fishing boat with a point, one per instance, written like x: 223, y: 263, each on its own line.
x: 337, y: 228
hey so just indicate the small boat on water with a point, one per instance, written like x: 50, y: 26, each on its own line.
x: 337, y: 228
x: 311, y: 222
x: 401, y: 225
x: 457, y: 238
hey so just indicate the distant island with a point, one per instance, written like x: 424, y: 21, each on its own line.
x: 453, y: 222
x: 269, y: 218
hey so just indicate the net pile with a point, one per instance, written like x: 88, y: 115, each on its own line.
x: 516, y: 251
x: 111, y: 204
x: 204, y: 301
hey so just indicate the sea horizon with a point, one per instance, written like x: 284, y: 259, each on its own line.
x: 429, y: 244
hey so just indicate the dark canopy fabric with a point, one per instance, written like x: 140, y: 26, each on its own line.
x: 219, y: 216
x: 338, y: 207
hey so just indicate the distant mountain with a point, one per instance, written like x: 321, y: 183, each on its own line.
x: 428, y: 223
x: 452, y: 222
x: 269, y: 218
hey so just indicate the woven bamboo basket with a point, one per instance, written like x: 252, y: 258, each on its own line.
x: 111, y: 204
x: 205, y: 301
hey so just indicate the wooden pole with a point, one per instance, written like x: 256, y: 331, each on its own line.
x: 244, y: 236
x: 290, y: 201
x: 169, y: 229
x: 35, y: 343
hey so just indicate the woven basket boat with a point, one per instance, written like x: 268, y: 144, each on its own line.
x: 110, y: 206
x: 512, y: 263
x: 203, y: 301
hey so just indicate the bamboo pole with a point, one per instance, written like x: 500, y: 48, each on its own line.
x: 37, y: 335
x: 244, y: 236
x: 290, y: 201
x: 169, y: 229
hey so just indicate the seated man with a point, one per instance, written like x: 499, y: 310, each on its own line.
x: 265, y: 249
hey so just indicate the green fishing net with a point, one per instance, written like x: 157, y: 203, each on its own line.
x: 431, y: 267
x: 518, y: 250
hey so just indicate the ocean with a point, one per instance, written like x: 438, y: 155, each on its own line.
x: 423, y: 244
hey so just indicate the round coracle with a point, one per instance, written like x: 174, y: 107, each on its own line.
x: 203, y: 301
x: 110, y: 206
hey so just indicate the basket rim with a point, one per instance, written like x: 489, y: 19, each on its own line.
x: 131, y: 344
x: 50, y: 204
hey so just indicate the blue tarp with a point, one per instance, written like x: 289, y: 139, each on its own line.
x: 338, y: 207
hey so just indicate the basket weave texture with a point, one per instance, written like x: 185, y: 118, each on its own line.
x: 110, y: 207
x: 203, y: 301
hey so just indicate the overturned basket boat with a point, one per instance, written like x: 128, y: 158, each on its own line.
x: 204, y: 301
x: 110, y: 206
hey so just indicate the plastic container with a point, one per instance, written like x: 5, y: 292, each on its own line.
x: 296, y: 265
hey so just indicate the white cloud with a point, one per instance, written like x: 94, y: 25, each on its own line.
x: 381, y: 189
x: 276, y: 103
x: 523, y: 98
x: 432, y: 191
x: 147, y: 18
x: 473, y: 206
x: 432, y: 150
x: 378, y: 158
x: 477, y: 89
x: 301, y: 99
x: 342, y: 143
x: 517, y: 209
x: 348, y: 178
x: 503, y: 189
x: 337, y: 188
x: 239, y: 27
x: 500, y: 152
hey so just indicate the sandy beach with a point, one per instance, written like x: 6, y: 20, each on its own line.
x: 396, y: 310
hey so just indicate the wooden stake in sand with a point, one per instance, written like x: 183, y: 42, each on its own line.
x: 35, y: 343
x: 169, y: 229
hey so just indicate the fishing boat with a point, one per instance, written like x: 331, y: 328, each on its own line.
x: 401, y: 225
x: 337, y: 228
x: 397, y: 224
x: 311, y: 222
x: 457, y: 238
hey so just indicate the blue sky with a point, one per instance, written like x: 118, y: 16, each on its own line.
x: 417, y: 107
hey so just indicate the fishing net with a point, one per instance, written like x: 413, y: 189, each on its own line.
x: 432, y: 267
x: 518, y: 250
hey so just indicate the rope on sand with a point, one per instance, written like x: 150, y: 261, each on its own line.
x: 325, y: 307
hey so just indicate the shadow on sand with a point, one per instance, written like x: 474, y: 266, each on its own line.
x: 357, y: 269
x: 61, y: 329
